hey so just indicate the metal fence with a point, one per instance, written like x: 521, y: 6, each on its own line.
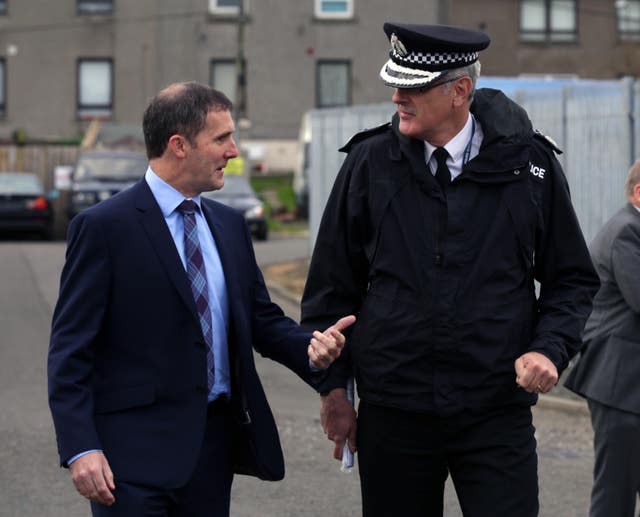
x: 595, y: 123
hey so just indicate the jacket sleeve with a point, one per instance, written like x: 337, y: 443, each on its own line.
x: 338, y: 272
x: 563, y: 267
x: 273, y: 334
x: 77, y: 321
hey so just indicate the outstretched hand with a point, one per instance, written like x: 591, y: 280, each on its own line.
x: 325, y: 347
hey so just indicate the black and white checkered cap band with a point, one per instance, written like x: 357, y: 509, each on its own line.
x: 444, y: 58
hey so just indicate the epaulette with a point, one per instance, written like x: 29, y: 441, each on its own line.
x: 363, y: 135
x: 550, y: 141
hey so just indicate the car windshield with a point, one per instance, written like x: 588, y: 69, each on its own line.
x: 111, y: 167
x: 19, y: 183
x: 234, y: 186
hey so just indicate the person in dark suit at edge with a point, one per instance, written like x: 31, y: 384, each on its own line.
x: 608, y: 370
x: 152, y: 384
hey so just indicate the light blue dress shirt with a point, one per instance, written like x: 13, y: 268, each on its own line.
x: 168, y: 199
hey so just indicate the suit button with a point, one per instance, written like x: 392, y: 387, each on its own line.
x: 437, y: 258
x: 201, y: 388
x: 199, y: 344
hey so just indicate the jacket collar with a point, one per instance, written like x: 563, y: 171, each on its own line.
x: 507, y: 136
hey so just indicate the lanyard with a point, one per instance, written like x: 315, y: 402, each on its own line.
x: 467, y: 150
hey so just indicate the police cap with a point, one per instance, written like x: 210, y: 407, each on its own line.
x: 420, y: 54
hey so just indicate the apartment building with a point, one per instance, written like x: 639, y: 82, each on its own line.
x: 66, y: 62
x: 595, y: 39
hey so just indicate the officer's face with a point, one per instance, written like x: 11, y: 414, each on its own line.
x: 426, y: 115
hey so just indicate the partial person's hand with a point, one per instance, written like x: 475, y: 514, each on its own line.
x: 325, y: 347
x: 338, y: 419
x: 93, y: 478
x: 536, y: 373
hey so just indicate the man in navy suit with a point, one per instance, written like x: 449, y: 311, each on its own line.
x: 152, y: 384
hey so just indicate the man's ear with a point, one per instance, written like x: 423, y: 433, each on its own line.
x: 177, y: 145
x: 636, y: 194
x: 462, y: 88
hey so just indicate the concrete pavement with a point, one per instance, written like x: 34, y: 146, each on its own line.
x: 32, y: 484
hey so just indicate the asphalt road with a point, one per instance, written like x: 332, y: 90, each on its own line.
x: 32, y: 484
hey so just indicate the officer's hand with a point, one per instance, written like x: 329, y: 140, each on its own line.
x: 325, y: 347
x: 93, y: 478
x: 536, y: 373
x: 338, y: 420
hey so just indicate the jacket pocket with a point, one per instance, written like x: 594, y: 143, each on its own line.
x: 124, y: 398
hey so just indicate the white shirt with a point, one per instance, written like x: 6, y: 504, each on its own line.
x: 456, y: 147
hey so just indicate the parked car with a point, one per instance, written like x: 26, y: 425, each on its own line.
x: 24, y: 205
x: 98, y: 175
x: 238, y: 193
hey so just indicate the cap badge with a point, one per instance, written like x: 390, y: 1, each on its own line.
x: 397, y: 46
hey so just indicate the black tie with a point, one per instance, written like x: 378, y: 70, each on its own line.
x: 443, y: 174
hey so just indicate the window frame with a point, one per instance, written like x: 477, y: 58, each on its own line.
x: 226, y: 61
x: 89, y: 111
x: 627, y: 35
x: 3, y: 79
x: 320, y: 14
x: 217, y: 10
x: 83, y: 11
x: 319, y: 64
x: 547, y: 34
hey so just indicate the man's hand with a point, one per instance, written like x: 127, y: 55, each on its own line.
x: 93, y: 478
x: 325, y: 347
x: 338, y: 420
x: 536, y: 373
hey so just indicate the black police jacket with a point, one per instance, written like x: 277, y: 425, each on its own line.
x: 443, y: 287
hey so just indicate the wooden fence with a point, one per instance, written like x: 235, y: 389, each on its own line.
x: 41, y: 159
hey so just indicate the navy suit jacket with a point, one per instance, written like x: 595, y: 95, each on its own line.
x: 127, y: 359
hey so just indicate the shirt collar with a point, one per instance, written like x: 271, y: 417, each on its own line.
x: 456, y: 146
x: 167, y: 197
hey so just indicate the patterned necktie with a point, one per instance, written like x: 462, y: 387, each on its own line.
x: 443, y: 174
x: 198, y: 279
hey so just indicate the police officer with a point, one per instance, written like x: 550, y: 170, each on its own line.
x: 435, y: 230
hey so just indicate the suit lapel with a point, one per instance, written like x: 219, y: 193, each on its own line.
x: 154, y: 225
x: 225, y: 242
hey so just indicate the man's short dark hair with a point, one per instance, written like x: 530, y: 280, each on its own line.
x: 179, y: 109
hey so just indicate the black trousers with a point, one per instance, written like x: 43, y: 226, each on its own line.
x: 405, y: 458
x: 616, y: 472
x: 208, y: 492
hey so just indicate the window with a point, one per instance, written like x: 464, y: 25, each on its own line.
x: 3, y: 90
x: 229, y: 7
x: 95, y: 88
x: 628, y: 12
x: 95, y: 6
x: 333, y: 83
x: 3, y: 6
x: 223, y: 77
x: 334, y: 9
x: 548, y: 20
